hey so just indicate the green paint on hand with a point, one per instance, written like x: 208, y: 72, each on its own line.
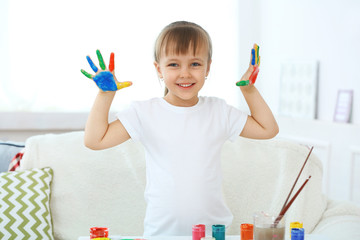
x: 242, y: 83
x: 101, y: 60
x: 88, y: 75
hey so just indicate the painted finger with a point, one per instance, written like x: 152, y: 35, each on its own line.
x: 121, y: 85
x: 242, y: 83
x: 253, y: 57
x: 88, y: 75
x: 101, y: 60
x: 91, y: 63
x: 257, y: 57
x: 112, y: 62
x: 254, y: 75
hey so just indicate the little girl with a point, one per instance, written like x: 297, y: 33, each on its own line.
x: 182, y: 133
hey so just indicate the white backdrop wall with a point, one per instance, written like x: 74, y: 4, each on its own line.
x: 325, y: 31
x: 46, y: 43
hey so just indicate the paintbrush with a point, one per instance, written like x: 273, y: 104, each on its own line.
x: 297, y: 179
x: 283, y: 211
x: 286, y: 206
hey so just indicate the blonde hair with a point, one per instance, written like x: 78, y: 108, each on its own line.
x: 178, y: 37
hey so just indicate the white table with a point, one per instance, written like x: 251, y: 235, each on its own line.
x: 117, y: 237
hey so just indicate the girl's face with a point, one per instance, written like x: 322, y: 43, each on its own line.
x: 184, y: 76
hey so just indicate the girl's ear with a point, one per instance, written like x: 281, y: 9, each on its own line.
x: 157, y: 67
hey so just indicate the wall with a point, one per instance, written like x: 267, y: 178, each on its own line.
x: 327, y: 32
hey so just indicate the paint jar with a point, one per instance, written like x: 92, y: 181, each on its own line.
x: 295, y: 225
x: 218, y: 232
x: 99, y: 232
x: 247, y: 231
x: 198, y: 231
x: 297, y: 234
x: 265, y: 227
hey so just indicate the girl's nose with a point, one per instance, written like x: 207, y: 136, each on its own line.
x: 185, y: 73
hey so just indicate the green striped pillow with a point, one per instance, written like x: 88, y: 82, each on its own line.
x: 24, y: 204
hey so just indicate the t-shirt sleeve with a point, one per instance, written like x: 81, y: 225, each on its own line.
x: 236, y: 121
x: 130, y: 120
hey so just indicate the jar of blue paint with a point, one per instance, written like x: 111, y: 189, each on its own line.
x: 297, y: 234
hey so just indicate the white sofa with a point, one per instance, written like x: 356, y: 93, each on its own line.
x: 105, y: 188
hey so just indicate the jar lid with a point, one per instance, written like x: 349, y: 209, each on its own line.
x: 218, y: 228
x: 296, y: 225
x: 247, y: 226
x: 97, y: 232
x: 198, y: 228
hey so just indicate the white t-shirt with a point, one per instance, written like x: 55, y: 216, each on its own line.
x: 183, y: 166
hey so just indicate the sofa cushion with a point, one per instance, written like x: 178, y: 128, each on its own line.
x: 105, y: 188
x: 24, y: 204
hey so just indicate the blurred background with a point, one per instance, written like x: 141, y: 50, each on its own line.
x: 309, y: 60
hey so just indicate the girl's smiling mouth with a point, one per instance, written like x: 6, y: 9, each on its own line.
x: 185, y: 85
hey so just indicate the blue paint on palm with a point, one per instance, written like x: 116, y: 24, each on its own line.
x: 105, y: 81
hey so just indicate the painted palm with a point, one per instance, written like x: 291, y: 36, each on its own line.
x: 105, y: 78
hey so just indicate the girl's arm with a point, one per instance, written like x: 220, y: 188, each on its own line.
x: 99, y: 134
x: 261, y: 124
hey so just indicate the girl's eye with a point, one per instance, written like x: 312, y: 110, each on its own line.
x: 173, y: 65
x: 195, y: 64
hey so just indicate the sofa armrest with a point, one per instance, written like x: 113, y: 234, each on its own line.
x: 341, y: 220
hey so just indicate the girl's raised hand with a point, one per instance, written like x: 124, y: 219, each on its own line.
x: 251, y: 74
x: 105, y: 78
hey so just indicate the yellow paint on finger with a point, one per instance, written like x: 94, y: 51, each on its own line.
x: 257, y: 57
x: 121, y: 85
